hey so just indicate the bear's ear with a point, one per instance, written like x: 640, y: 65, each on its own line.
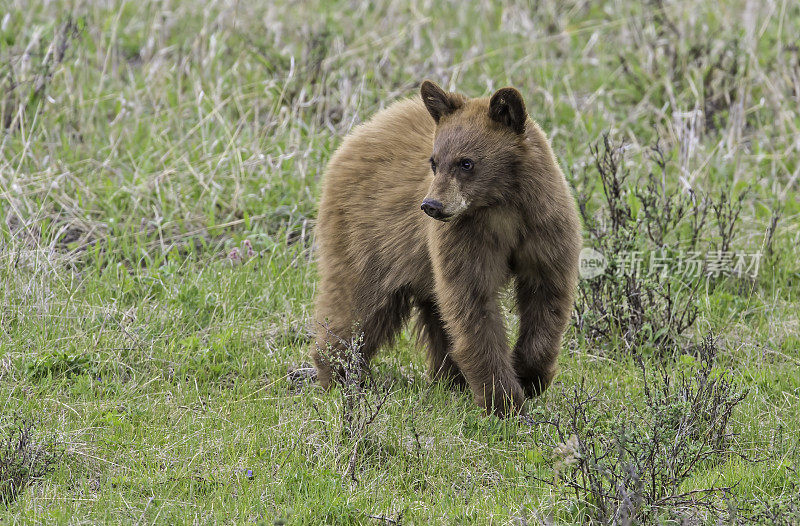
x: 438, y: 101
x: 507, y: 107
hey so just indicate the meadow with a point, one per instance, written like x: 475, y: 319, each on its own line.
x: 160, y: 164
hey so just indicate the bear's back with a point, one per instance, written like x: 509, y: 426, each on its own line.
x: 369, y: 213
x: 399, y: 136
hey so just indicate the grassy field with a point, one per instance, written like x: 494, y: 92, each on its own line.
x: 159, y: 171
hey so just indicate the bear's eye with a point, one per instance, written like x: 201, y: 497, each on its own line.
x: 433, y: 165
x: 466, y: 164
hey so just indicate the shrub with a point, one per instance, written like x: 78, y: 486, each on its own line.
x: 362, y: 398
x: 632, y: 466
x: 23, y: 459
x: 662, y: 247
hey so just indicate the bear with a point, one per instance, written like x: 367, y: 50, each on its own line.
x: 431, y: 208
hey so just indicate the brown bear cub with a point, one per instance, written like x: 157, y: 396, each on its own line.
x: 494, y: 206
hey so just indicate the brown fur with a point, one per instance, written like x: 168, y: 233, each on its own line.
x: 513, y: 217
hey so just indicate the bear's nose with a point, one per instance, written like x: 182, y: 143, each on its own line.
x: 433, y: 208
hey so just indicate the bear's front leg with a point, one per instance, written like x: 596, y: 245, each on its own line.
x: 467, y: 293
x: 544, y: 310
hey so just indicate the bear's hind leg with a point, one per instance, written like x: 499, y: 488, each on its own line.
x: 434, y: 336
x: 346, y: 344
x: 382, y: 324
x: 336, y: 325
x: 332, y: 349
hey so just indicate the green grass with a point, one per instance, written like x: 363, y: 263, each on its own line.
x: 142, y: 142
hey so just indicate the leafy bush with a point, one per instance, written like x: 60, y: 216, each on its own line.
x: 634, y: 466
x: 779, y: 512
x: 662, y: 246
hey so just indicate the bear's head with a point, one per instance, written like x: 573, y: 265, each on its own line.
x: 477, y: 148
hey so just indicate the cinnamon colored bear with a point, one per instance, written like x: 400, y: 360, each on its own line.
x: 432, y: 207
